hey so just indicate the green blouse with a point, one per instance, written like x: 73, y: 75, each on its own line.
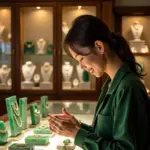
x: 120, y: 120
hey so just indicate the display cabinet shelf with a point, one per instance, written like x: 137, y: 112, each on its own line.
x: 32, y: 47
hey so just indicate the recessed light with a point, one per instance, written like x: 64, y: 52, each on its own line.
x: 38, y: 7
x: 79, y: 7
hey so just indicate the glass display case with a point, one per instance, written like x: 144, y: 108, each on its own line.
x: 33, y: 62
x: 133, y: 23
x: 36, y: 48
x: 5, y: 48
x: 73, y: 77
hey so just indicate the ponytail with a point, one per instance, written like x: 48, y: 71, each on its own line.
x: 125, y: 54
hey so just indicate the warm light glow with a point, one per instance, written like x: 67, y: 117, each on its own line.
x: 38, y: 7
x: 79, y: 7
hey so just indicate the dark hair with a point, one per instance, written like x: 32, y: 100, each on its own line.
x: 86, y: 29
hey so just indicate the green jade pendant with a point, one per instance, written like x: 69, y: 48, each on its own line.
x: 3, y: 133
x: 35, y: 113
x: 15, y: 120
x: 18, y: 146
x: 37, y: 140
x: 85, y: 76
x: 44, y: 106
x: 23, y: 112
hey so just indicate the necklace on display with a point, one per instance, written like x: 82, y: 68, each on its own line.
x: 15, y: 108
x: 16, y: 114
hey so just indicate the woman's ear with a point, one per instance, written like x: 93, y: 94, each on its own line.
x: 99, y: 46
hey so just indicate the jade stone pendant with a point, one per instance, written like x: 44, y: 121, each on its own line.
x: 44, y: 106
x: 23, y: 111
x: 85, y: 76
x: 17, y: 146
x: 3, y: 133
x: 14, y: 118
x: 35, y: 113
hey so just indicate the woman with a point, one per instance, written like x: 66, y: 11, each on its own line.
x: 120, y: 120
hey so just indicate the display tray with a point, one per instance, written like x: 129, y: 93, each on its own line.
x: 53, y: 142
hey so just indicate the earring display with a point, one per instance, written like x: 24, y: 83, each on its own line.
x: 15, y: 120
x: 35, y: 114
x: 3, y: 133
x: 37, y: 140
x: 44, y: 106
x: 67, y: 70
x: 23, y: 112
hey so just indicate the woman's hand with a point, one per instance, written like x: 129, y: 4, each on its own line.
x: 73, y: 119
x: 65, y: 127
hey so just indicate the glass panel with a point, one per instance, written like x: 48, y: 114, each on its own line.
x: 74, y: 78
x: 37, y: 48
x: 5, y: 48
x: 136, y: 31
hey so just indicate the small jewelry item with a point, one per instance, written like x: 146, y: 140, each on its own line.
x: 3, y: 131
x: 15, y: 108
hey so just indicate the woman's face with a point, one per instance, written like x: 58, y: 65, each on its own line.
x: 94, y: 63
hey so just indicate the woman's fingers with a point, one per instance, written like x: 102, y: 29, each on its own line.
x: 65, y: 112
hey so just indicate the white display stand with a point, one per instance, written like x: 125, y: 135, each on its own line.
x: 27, y: 85
x: 85, y: 85
x: 66, y: 85
x: 46, y: 85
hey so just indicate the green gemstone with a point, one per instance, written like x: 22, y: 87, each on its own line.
x: 44, y: 106
x: 3, y: 133
x: 35, y: 114
x: 23, y: 111
x: 85, y: 76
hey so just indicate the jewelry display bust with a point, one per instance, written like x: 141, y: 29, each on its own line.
x: 35, y: 113
x: 137, y: 45
x: 44, y: 106
x: 23, y: 111
x: 3, y: 133
x: 67, y: 70
x: 46, y: 71
x: 28, y: 70
x: 137, y: 30
x: 29, y: 47
x: 79, y: 72
x: 41, y: 43
x: 4, y: 74
x: 15, y: 120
